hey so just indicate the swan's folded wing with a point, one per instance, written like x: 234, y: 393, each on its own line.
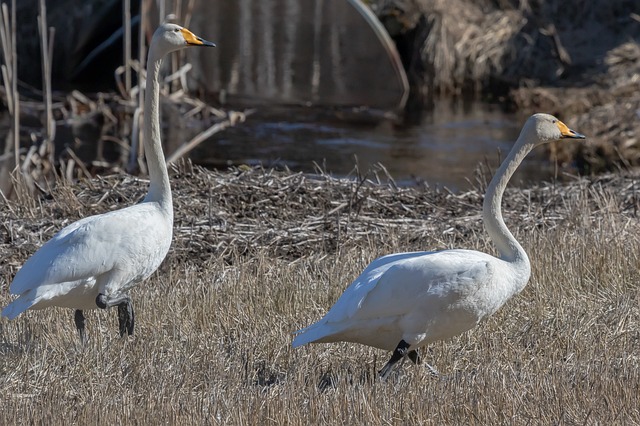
x: 75, y: 253
x: 427, y: 282
x: 351, y: 300
x: 88, y: 248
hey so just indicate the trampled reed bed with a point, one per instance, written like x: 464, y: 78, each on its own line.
x: 258, y: 254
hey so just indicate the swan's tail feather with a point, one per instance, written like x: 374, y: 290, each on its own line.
x: 17, y: 307
x: 301, y: 339
x: 311, y: 334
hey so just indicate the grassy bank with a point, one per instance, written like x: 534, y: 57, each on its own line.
x: 258, y: 254
x: 574, y: 59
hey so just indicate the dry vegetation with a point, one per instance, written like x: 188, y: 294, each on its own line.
x: 258, y: 254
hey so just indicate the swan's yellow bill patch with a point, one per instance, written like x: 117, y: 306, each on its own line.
x: 191, y: 38
x: 567, y: 132
x: 563, y: 128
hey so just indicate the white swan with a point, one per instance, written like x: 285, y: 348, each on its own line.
x: 404, y: 301
x: 94, y: 262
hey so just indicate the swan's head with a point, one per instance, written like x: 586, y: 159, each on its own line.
x: 547, y: 128
x: 170, y: 37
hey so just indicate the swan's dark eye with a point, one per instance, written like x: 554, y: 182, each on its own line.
x: 176, y: 30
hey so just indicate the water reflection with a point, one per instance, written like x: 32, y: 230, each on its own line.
x: 444, y: 149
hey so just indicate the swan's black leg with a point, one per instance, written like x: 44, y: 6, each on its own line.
x: 103, y: 303
x: 415, y: 357
x: 79, y: 319
x: 126, y: 318
x: 399, y: 352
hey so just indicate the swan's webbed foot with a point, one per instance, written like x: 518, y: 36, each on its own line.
x: 79, y: 320
x: 399, y: 353
x: 126, y: 318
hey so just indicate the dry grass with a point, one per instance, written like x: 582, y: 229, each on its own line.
x: 248, y: 266
x: 491, y: 46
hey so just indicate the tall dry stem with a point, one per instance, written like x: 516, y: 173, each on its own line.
x: 126, y: 19
x: 10, y: 82
x: 46, y: 49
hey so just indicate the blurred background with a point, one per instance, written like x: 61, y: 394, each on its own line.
x: 435, y: 91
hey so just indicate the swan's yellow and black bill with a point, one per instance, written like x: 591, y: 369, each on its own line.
x: 567, y: 132
x: 194, y: 40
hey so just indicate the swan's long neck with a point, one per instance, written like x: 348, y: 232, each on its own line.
x: 510, y: 250
x: 159, y: 187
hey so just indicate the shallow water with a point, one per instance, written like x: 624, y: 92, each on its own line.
x: 444, y: 149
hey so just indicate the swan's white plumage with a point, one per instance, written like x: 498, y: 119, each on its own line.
x: 404, y: 301
x: 116, y: 250
x: 419, y: 297
x: 109, y: 253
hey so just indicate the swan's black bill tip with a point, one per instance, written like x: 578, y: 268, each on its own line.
x: 206, y: 43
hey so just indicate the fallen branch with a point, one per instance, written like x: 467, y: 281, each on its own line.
x: 234, y: 118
